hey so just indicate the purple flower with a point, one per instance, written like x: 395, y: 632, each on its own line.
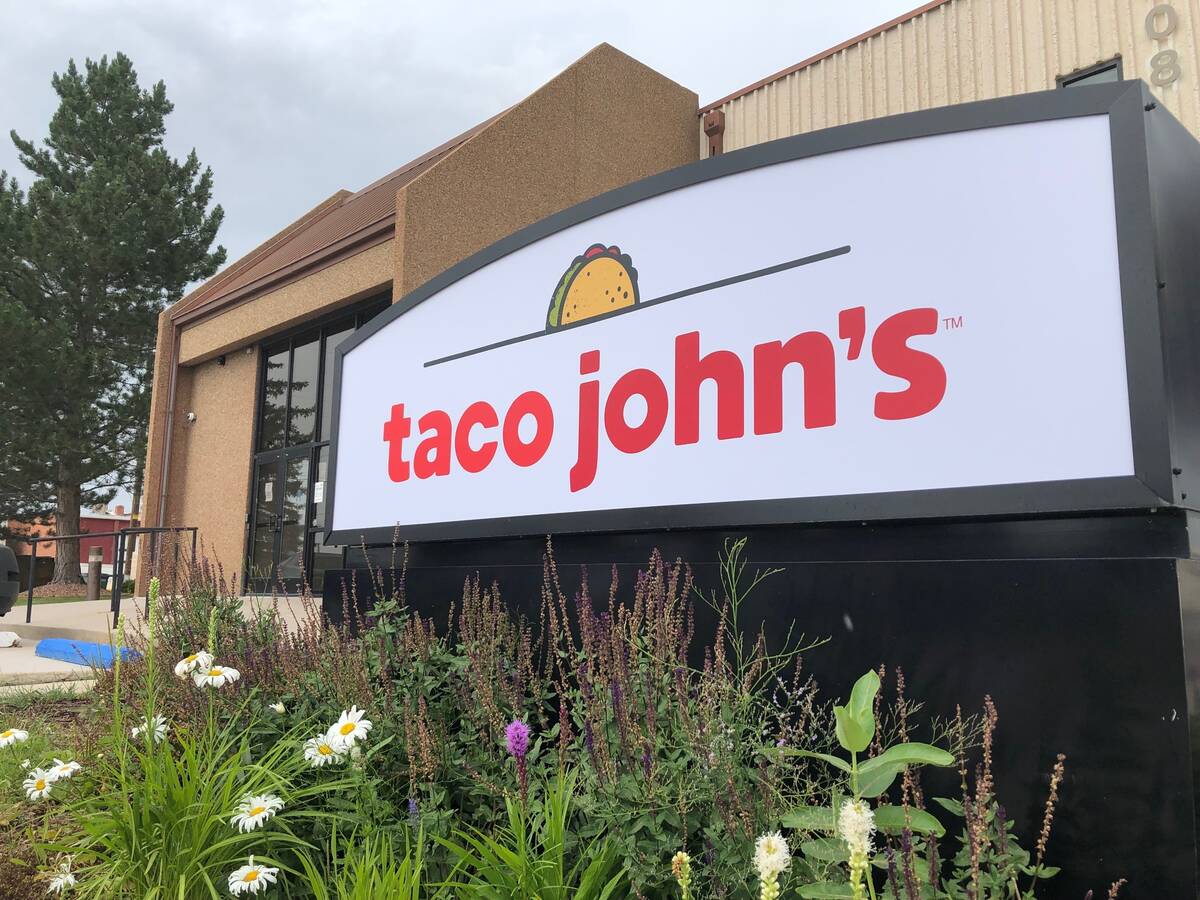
x: 414, y: 813
x: 516, y: 737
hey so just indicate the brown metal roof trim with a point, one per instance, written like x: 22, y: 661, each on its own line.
x: 825, y: 54
x: 349, y: 224
x: 214, y: 284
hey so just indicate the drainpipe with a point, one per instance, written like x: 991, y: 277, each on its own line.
x: 165, y: 466
x: 714, y: 127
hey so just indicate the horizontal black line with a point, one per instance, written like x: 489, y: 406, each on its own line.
x: 666, y: 298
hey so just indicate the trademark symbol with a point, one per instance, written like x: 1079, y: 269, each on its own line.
x: 951, y: 322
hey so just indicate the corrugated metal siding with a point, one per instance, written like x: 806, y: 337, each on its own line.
x: 968, y: 50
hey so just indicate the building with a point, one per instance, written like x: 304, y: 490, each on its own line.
x: 240, y: 417
x: 240, y: 425
x: 955, y: 51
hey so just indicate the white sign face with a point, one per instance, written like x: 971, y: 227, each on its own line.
x: 938, y: 312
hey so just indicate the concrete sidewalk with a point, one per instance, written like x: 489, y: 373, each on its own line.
x: 21, y: 666
x: 91, y: 621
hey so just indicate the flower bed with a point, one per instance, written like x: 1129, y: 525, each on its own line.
x: 579, y: 755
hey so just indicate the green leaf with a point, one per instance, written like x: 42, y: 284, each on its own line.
x: 850, y: 733
x: 878, y: 779
x: 810, y: 818
x: 825, y: 891
x: 1041, y: 871
x: 953, y: 806
x: 862, y: 697
x: 824, y: 757
x: 856, y: 720
x: 913, y: 754
x: 827, y: 849
x: 890, y: 819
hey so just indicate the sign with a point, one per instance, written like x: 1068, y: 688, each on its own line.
x: 780, y: 334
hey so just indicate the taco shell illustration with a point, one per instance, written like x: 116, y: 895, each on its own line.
x: 600, y: 281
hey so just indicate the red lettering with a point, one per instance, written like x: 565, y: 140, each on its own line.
x: 636, y: 439
x: 924, y: 373
x: 814, y: 352
x: 691, y: 371
x: 433, y: 453
x: 530, y: 403
x: 852, y: 327
x: 583, y: 472
x: 484, y: 416
x: 395, y: 430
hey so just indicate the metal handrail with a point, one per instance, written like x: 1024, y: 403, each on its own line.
x: 118, y: 563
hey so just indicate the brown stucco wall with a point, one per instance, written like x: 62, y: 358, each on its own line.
x: 210, y: 459
x: 323, y: 291
x: 605, y: 121
x: 152, y: 474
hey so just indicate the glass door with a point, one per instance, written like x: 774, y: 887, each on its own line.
x: 264, y: 532
x: 293, y: 522
x: 279, y: 523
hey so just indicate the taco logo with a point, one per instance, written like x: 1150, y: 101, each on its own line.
x: 600, y: 281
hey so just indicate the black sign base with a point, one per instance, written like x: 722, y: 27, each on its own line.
x: 1083, y: 630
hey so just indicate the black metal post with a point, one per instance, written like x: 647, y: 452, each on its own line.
x: 32, y: 571
x: 118, y: 578
x: 195, y: 531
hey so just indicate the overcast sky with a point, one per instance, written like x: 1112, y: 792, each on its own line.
x: 289, y: 101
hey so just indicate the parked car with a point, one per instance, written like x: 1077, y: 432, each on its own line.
x: 10, y: 579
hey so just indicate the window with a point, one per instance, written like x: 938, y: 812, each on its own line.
x: 1100, y: 73
x: 285, y: 547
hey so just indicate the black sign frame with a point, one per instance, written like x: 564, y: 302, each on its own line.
x: 1150, y: 487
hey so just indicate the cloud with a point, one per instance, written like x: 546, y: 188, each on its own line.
x: 290, y: 101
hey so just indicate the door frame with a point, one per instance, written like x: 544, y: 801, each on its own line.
x: 355, y: 315
x: 280, y: 459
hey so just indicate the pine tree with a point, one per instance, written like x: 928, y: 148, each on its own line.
x: 109, y: 232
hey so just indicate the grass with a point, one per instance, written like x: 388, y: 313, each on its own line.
x: 35, y: 696
x: 52, y: 721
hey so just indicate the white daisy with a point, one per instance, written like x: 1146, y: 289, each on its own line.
x: 254, y: 811
x: 62, y: 879
x: 350, y: 727
x: 320, y: 750
x: 13, y: 736
x: 160, y: 728
x: 771, y: 855
x: 251, y: 878
x: 201, y: 659
x: 215, y: 676
x: 62, y: 769
x: 279, y: 707
x: 37, y: 785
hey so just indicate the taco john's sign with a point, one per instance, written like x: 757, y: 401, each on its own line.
x: 818, y: 337
x: 469, y: 445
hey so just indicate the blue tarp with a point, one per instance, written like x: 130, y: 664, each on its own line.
x: 80, y: 652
